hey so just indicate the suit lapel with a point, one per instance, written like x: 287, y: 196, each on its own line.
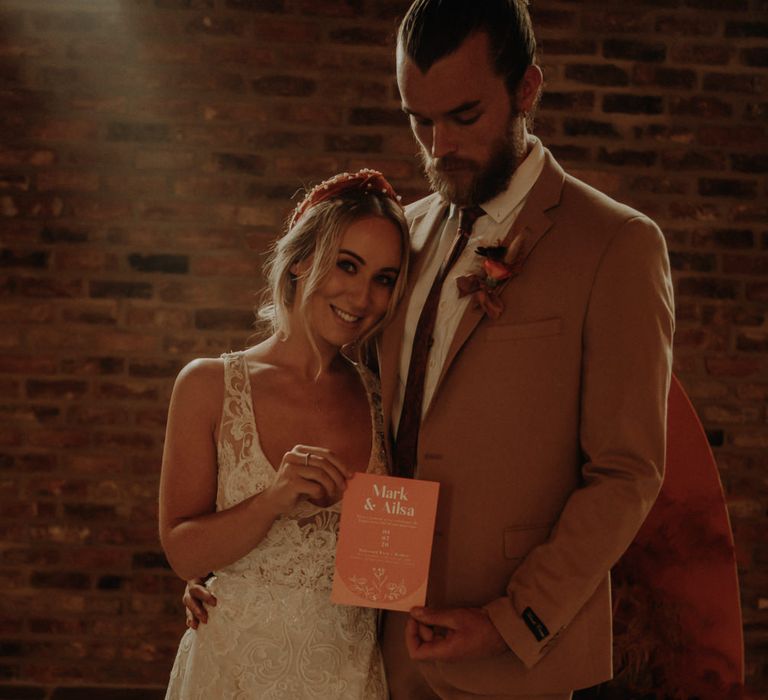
x: 423, y: 239
x: 531, y: 223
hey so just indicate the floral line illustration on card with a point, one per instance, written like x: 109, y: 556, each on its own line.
x: 379, y: 588
x: 385, y: 540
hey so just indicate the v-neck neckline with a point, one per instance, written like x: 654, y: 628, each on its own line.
x: 257, y: 440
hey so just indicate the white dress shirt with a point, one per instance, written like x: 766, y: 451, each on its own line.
x: 501, y: 212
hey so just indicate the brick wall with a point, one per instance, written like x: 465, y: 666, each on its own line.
x: 148, y: 151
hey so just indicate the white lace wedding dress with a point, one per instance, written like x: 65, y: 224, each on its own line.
x: 274, y: 634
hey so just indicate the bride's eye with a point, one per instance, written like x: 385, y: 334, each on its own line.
x: 346, y: 265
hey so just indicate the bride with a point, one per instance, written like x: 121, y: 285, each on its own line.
x: 259, y: 447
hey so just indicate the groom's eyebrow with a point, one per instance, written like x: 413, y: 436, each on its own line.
x: 463, y: 107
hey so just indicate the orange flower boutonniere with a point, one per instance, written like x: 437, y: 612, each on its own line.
x: 499, y: 264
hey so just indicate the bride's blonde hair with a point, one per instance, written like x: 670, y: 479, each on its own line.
x: 317, y: 232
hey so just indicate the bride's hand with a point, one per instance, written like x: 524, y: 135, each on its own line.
x: 311, y: 473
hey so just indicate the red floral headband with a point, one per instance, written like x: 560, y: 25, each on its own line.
x: 366, y: 180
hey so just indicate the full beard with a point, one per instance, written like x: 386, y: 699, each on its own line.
x: 487, y: 180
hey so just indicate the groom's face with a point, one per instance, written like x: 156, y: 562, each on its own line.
x: 470, y: 135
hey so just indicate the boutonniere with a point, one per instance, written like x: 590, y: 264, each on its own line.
x: 499, y: 264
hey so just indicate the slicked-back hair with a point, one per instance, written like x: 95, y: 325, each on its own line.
x: 433, y: 29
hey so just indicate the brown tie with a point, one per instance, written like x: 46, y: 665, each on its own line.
x: 410, y: 416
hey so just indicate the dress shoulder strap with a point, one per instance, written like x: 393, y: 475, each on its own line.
x: 379, y: 463
x: 237, y: 387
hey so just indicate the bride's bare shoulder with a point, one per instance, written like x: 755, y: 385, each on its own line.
x: 203, y: 376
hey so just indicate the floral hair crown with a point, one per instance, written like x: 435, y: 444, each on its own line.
x: 365, y: 180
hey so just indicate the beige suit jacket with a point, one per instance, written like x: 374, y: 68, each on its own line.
x: 546, y: 433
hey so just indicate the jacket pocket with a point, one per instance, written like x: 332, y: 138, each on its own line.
x: 520, y: 331
x: 520, y: 540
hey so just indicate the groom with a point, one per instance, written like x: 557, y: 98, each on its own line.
x: 531, y: 381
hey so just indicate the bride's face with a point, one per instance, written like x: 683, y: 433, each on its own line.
x: 355, y: 294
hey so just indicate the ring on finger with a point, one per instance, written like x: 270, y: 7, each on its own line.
x: 306, y: 459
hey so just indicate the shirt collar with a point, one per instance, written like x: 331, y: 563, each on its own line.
x: 520, y: 184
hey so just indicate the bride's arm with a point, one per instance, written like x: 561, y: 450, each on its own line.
x: 197, y: 539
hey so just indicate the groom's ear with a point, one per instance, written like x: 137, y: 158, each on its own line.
x: 528, y: 89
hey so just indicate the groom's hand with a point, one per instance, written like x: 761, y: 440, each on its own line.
x: 452, y: 633
x: 196, y: 597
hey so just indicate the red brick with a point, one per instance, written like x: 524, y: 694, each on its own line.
x: 135, y: 184
x: 725, y: 187
x: 756, y: 110
x: 330, y: 115
x: 196, y: 345
x: 229, y: 265
x: 126, y: 390
x: 677, y: 79
x: 745, y: 264
x: 757, y: 292
x: 13, y: 181
x: 88, y: 366
x: 27, y: 364
x: 700, y: 106
x: 66, y: 130
x: 85, y: 260
x: 170, y: 210
x: 659, y: 185
x: 395, y: 169
x: 353, y: 91
x: 151, y: 418
x: 35, y: 157
x: 155, y: 52
x: 735, y: 82
x: 694, y: 212
x: 749, y: 212
x: 209, y: 186
x: 100, y: 103
x: 568, y: 47
x: 753, y: 392
x: 610, y: 21
x: 50, y: 388
x: 29, y: 313
x: 597, y: 74
x: 753, y: 341
x: 183, y: 292
x: 332, y: 8
x: 164, y: 160
x: 212, y: 25
x: 122, y: 441
x: 632, y: 104
x: 687, y: 25
x: 93, y: 463
x: 45, y: 206
x: 724, y: 414
x: 99, y: 209
x: 160, y: 318
x: 702, y: 54
x: 728, y: 136
x: 90, y: 415
x: 705, y: 389
x: 59, y: 438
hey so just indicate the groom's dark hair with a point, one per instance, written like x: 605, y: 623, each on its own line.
x: 432, y: 29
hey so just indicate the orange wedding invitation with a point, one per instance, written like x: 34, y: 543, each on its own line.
x: 385, y: 542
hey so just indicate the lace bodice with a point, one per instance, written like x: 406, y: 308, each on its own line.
x: 274, y: 634
x: 299, y: 548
